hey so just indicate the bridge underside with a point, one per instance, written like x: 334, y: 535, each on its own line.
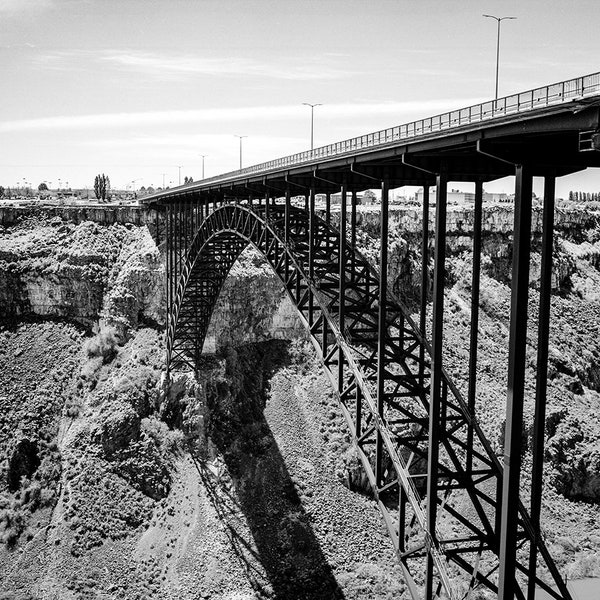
x: 453, y: 510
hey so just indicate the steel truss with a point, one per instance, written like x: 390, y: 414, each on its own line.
x: 416, y: 436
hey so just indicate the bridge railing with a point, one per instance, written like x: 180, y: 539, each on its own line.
x: 523, y: 102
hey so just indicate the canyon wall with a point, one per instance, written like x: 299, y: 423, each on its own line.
x: 81, y: 263
x: 101, y: 266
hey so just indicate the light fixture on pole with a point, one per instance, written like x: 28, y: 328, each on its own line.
x: 241, y: 138
x: 498, y: 20
x: 312, y: 121
x: 203, y: 157
x: 163, y: 175
x: 179, y: 167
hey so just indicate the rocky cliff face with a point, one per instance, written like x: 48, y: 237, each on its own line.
x: 114, y: 275
x: 253, y: 307
x: 55, y: 268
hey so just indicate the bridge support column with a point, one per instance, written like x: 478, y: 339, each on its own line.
x: 156, y: 220
x: 177, y: 246
x: 353, y: 231
x: 342, y: 284
x: 516, y: 384
x: 186, y: 227
x: 382, y: 327
x: 169, y: 233
x: 311, y: 249
x: 542, y: 375
x: 424, y: 278
x: 435, y: 394
x: 267, y: 205
x: 475, y: 278
x: 266, y: 219
x: 286, y: 232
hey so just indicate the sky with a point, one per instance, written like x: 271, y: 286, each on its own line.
x: 138, y: 88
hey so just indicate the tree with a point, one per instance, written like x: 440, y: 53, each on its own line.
x: 43, y: 187
x: 1, y: 191
x: 102, y: 187
x: 369, y: 197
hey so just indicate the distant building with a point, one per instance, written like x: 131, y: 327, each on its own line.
x: 458, y: 197
x: 487, y: 197
x: 453, y: 196
x: 360, y: 198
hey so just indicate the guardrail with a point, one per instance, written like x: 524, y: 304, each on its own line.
x: 543, y: 97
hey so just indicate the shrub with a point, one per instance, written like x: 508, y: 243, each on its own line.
x: 103, y: 345
x: 12, y: 523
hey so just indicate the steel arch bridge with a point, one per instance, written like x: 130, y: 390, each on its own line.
x: 453, y: 511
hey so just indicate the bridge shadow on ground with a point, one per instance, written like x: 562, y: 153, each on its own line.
x: 255, y: 497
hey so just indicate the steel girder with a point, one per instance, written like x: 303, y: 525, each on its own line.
x: 383, y: 386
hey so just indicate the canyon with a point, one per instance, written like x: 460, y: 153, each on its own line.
x: 239, y: 481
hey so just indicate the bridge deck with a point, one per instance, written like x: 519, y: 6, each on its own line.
x: 542, y: 125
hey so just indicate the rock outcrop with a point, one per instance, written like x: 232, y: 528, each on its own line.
x: 80, y: 272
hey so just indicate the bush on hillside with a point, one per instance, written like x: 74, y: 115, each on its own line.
x: 103, y: 345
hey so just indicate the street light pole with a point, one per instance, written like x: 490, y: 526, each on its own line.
x: 241, y: 138
x: 498, y: 20
x: 203, y: 157
x: 179, y: 167
x: 312, y: 121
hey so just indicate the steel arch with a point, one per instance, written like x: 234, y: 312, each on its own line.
x: 390, y: 435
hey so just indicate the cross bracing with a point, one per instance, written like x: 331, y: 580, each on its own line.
x: 390, y: 426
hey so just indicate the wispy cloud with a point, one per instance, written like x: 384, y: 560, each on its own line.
x: 180, y: 66
x: 187, y: 142
x: 398, y: 110
x: 168, y: 65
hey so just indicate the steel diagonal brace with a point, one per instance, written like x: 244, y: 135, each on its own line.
x: 315, y: 176
x: 406, y: 162
x: 271, y: 186
x: 298, y: 185
x: 481, y: 150
x: 247, y: 187
x: 361, y: 174
x: 397, y: 460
